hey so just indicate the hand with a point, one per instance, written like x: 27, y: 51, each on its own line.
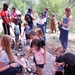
x: 14, y: 65
x: 24, y: 66
x: 10, y: 25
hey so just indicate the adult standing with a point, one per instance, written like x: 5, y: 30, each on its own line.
x: 65, y: 27
x: 29, y: 17
x: 5, y: 19
x: 41, y: 24
x: 46, y: 15
x: 13, y: 14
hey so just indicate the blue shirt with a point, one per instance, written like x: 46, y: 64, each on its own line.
x: 26, y: 30
x: 16, y: 28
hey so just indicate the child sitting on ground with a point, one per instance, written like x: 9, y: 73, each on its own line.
x: 58, y: 65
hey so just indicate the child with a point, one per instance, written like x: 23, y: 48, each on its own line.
x: 41, y: 38
x: 16, y: 32
x: 9, y: 65
x: 26, y: 31
x: 39, y: 33
x: 58, y: 65
x: 38, y: 53
x: 19, y: 21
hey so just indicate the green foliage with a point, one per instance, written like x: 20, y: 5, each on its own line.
x: 29, y: 3
x: 55, y: 6
x: 19, y: 4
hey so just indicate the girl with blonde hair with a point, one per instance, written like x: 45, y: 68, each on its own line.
x: 39, y: 33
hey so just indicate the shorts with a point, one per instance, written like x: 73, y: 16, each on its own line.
x: 16, y: 36
x: 27, y: 37
x: 39, y: 65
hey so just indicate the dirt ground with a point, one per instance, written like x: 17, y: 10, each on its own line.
x: 53, y: 42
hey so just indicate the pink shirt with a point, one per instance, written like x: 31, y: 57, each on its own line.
x: 14, y: 14
x: 39, y: 57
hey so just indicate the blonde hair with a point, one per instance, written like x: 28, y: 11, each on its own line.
x: 39, y: 31
x: 60, y: 49
x: 25, y: 24
x: 6, y: 45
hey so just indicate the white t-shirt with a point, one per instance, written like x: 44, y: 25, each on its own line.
x: 41, y: 21
x: 4, y: 58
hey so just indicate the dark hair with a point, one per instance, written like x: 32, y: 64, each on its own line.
x: 5, y: 5
x: 36, y: 42
x: 68, y: 58
x: 32, y: 32
x: 46, y: 9
x: 29, y: 10
x: 15, y: 21
x: 13, y: 7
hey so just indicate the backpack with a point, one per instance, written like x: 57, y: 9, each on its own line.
x: 28, y: 18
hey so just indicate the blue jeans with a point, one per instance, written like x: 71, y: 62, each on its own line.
x: 31, y: 25
x: 11, y: 71
x: 46, y: 25
x: 43, y: 30
x: 64, y: 38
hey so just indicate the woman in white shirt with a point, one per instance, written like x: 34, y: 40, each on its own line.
x: 41, y: 24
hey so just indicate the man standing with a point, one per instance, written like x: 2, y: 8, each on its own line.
x: 29, y: 17
x: 5, y: 19
x: 46, y: 15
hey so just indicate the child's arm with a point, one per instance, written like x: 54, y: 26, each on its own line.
x: 59, y: 64
x: 55, y: 63
x: 29, y: 53
x: 23, y: 32
x: 44, y: 54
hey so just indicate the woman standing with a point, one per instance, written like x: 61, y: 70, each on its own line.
x: 65, y: 27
